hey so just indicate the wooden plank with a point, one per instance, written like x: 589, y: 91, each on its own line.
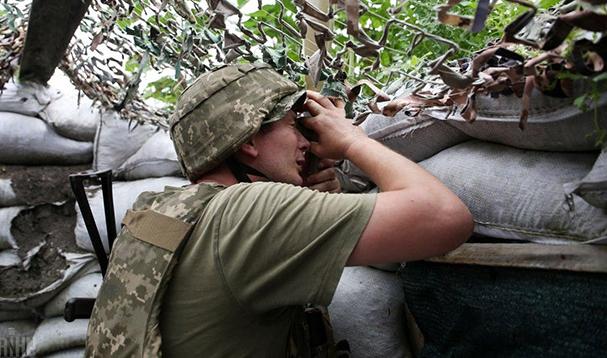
x: 574, y: 257
x: 51, y: 27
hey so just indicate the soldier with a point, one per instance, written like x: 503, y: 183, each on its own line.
x: 223, y: 267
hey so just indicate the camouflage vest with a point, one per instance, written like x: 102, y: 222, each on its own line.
x: 125, y: 319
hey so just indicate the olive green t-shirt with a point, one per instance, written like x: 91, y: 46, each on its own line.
x: 258, y: 253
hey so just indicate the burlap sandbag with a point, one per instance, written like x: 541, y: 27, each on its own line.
x: 23, y: 185
x: 116, y: 140
x: 9, y: 258
x: 553, y: 124
x: 72, y: 114
x: 156, y: 158
x: 368, y: 310
x: 76, y: 264
x: 7, y: 194
x: 86, y: 286
x: 30, y: 141
x: 124, y: 194
x: 416, y: 138
x: 27, y: 98
x: 55, y: 334
x: 6, y: 316
x: 519, y: 194
x: 15, y: 337
x: 593, y: 187
x: 7, y: 215
x: 68, y: 353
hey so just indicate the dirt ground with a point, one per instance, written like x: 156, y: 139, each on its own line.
x: 50, y: 223
x: 38, y: 185
x: 43, y: 222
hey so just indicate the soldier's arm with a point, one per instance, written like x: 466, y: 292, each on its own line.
x: 415, y: 215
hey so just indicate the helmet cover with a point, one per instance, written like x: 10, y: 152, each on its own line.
x: 222, y: 109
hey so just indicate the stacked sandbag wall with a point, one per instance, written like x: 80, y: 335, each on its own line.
x: 46, y: 258
x: 533, y: 189
x: 546, y: 183
x: 46, y: 133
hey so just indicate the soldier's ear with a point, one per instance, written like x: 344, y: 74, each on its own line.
x: 249, y: 150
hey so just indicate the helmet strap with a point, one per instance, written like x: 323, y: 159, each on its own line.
x: 240, y: 170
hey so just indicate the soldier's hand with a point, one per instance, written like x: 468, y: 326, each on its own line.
x: 335, y: 132
x: 325, y: 179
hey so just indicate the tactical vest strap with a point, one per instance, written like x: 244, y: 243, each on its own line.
x: 157, y: 229
x: 312, y: 336
x: 125, y: 318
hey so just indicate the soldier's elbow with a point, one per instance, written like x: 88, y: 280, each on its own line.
x: 459, y: 224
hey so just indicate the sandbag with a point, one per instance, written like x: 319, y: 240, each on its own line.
x: 116, y: 141
x: 27, y: 98
x: 15, y: 336
x: 156, y: 158
x: 72, y: 114
x: 68, y: 353
x: 55, y: 334
x: 84, y: 287
x: 7, y: 241
x: 368, y: 310
x: 416, y: 138
x: 48, y: 255
x: 9, y: 258
x: 6, y: 316
x: 519, y: 194
x: 75, y: 264
x: 30, y: 141
x: 34, y: 185
x: 553, y: 124
x: 124, y: 194
x: 593, y: 187
x: 7, y: 194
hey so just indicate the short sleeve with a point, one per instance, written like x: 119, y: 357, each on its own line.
x: 278, y: 245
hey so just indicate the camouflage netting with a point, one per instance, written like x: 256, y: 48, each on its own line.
x: 119, y: 40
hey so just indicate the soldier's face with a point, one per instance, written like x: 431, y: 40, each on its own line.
x: 281, y: 148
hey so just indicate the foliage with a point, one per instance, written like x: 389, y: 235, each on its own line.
x: 167, y: 35
x: 395, y: 57
x: 122, y: 43
x: 589, y: 101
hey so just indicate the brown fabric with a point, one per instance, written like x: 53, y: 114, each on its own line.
x: 156, y: 229
x: 583, y: 258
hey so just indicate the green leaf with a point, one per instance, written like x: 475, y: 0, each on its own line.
x: 385, y: 58
x: 138, y: 9
x: 250, y: 24
x: 581, y: 102
x: 132, y: 64
x: 163, y: 89
x: 546, y: 4
x: 290, y: 5
x: 258, y: 14
x: 124, y: 23
x: 334, y: 88
x: 601, y: 77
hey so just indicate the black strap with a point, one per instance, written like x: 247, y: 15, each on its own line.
x: 105, y: 179
x: 241, y: 171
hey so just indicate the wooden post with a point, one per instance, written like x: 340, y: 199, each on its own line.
x: 52, y: 24
x: 310, y: 43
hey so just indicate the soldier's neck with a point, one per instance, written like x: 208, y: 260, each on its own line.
x: 220, y: 175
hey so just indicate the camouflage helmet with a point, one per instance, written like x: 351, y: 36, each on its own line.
x: 222, y: 109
